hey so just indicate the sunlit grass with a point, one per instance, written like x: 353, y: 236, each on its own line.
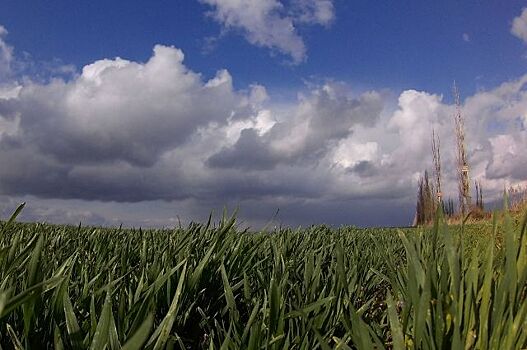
x: 211, y: 286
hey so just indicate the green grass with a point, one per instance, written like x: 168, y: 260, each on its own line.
x: 211, y: 286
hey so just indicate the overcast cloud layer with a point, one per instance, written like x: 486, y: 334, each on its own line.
x: 157, y: 132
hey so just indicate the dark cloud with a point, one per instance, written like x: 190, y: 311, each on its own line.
x: 364, y: 169
x: 363, y: 213
x: 37, y: 211
x: 250, y: 152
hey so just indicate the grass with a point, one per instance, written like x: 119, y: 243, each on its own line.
x: 210, y: 286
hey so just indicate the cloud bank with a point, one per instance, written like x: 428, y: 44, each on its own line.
x: 157, y: 132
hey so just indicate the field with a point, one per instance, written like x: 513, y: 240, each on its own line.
x: 210, y: 286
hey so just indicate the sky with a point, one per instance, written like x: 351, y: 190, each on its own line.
x: 297, y: 112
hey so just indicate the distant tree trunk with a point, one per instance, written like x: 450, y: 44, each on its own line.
x: 419, y: 210
x: 425, y: 207
x: 479, y: 195
x: 429, y: 199
x: 448, y: 207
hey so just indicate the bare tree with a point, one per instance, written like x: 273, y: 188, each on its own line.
x: 425, y: 207
x: 436, y: 153
x: 462, y: 163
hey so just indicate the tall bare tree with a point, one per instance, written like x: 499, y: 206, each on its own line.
x: 436, y: 153
x: 462, y: 163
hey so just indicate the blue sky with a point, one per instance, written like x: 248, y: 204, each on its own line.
x: 379, y: 44
x: 322, y: 108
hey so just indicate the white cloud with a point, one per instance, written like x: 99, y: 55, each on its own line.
x: 6, y: 55
x: 349, y: 154
x: 10, y: 91
x: 269, y: 24
x: 417, y: 114
x: 122, y: 110
x: 519, y: 26
x: 313, y: 126
x: 313, y: 11
x: 508, y: 158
